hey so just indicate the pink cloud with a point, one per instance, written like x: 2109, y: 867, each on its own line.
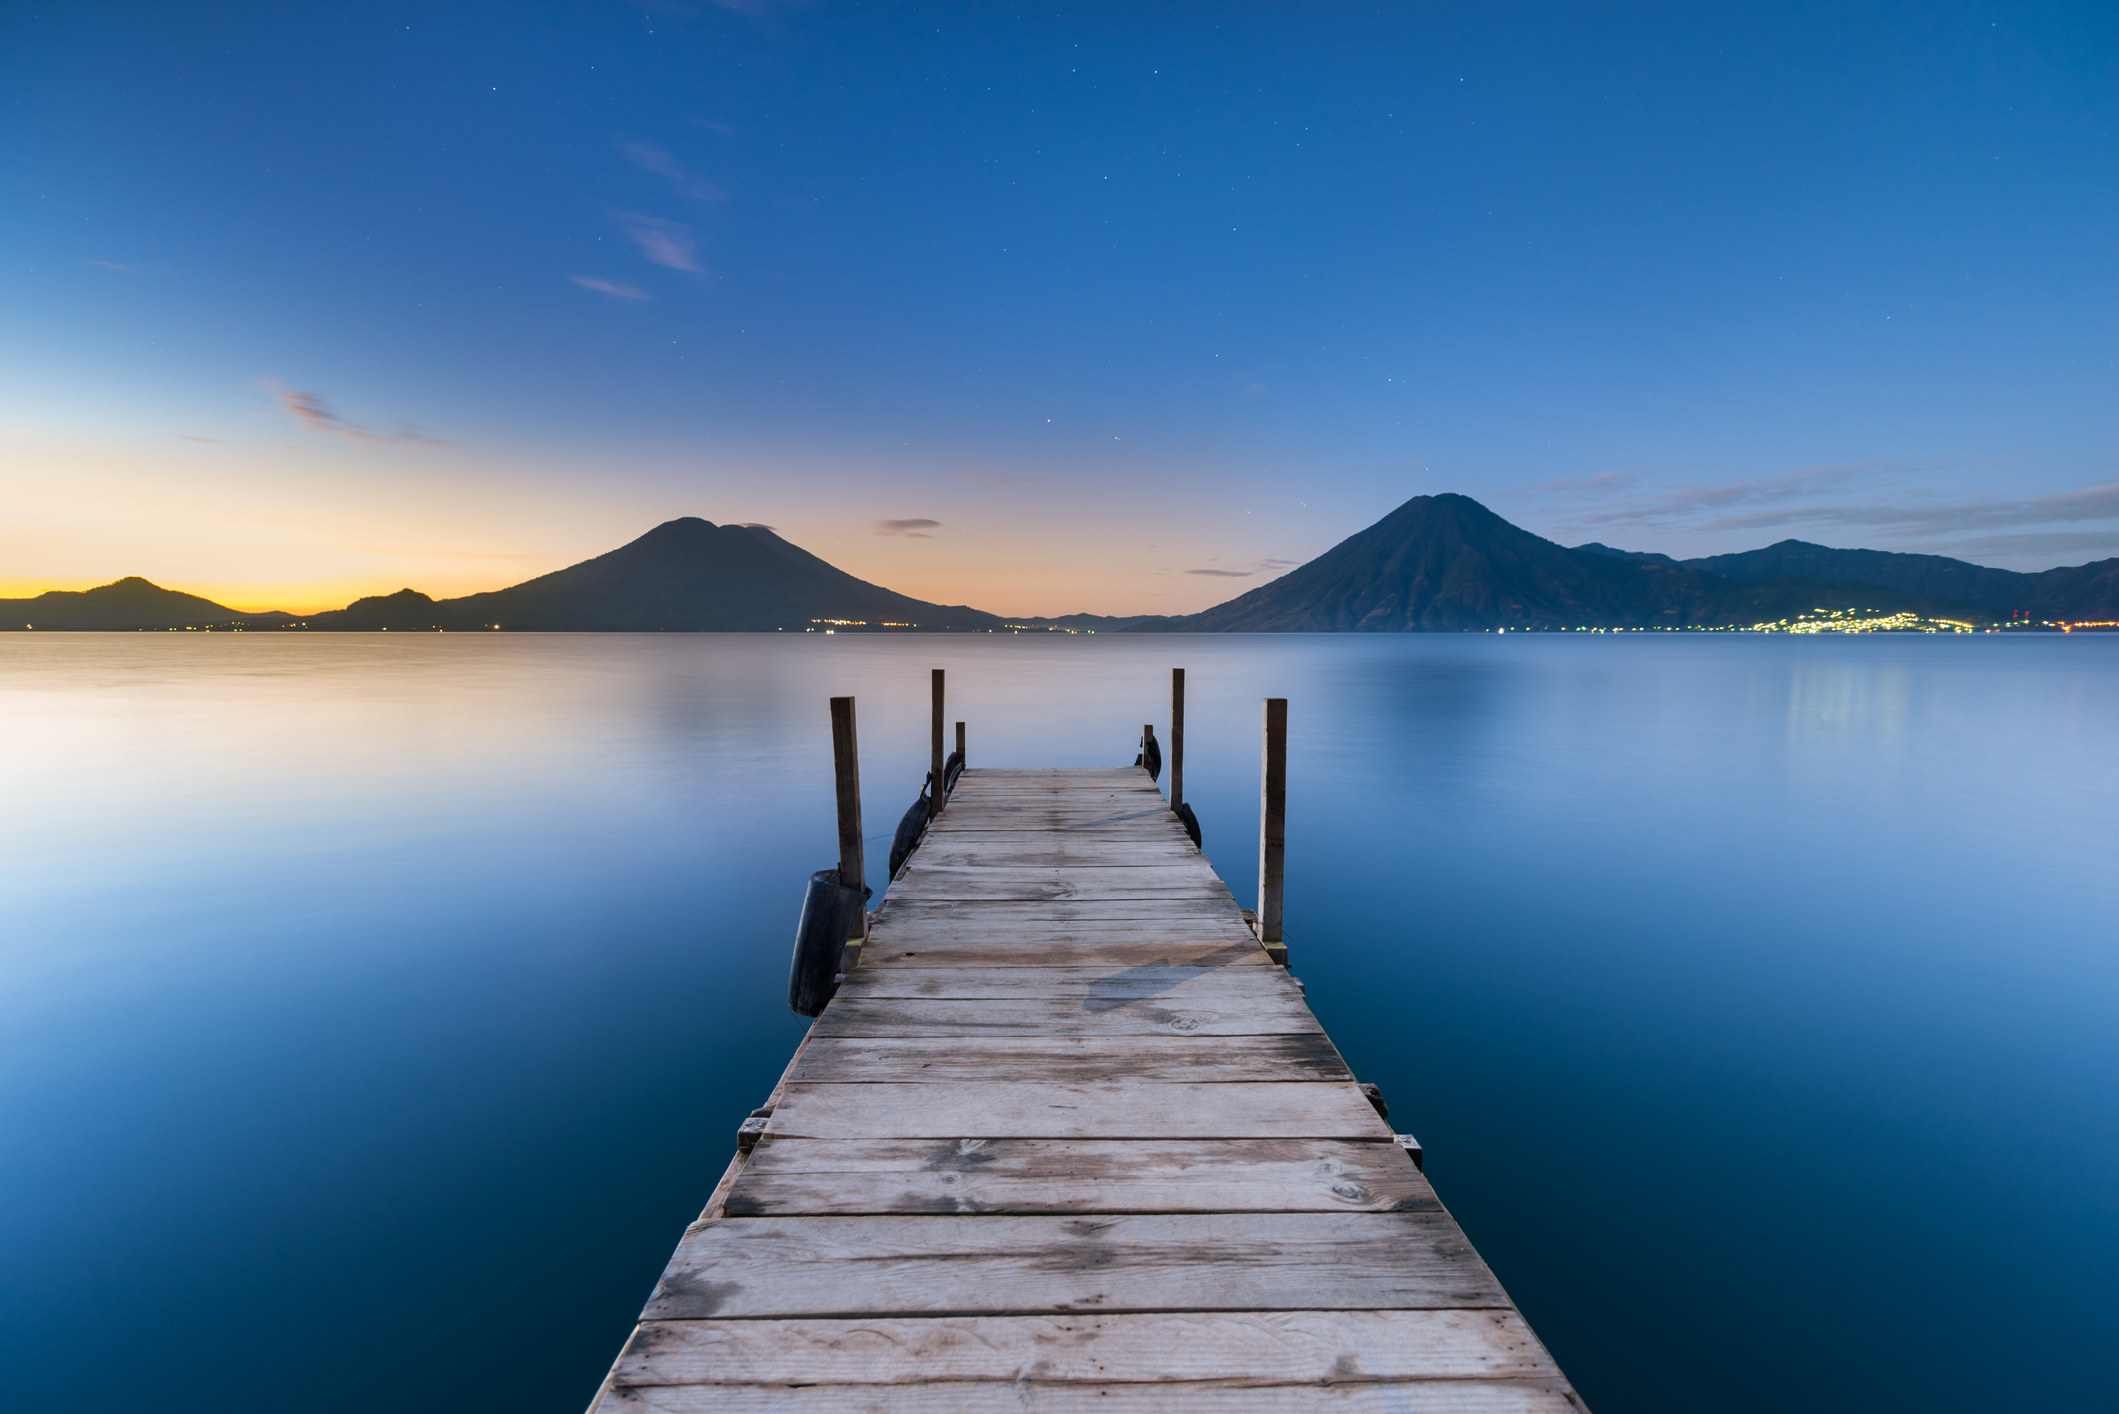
x: 609, y: 287
x: 310, y: 410
x: 667, y: 243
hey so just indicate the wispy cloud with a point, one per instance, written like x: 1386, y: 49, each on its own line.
x: 1689, y: 503
x: 662, y: 164
x: 114, y: 265
x: 1939, y: 517
x: 913, y: 529
x: 1871, y: 497
x: 1602, y: 481
x: 187, y: 437
x: 667, y: 243
x: 1818, y: 497
x: 310, y: 410
x: 1257, y: 567
x: 2094, y: 544
x: 609, y: 287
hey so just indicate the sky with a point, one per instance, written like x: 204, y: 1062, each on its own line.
x: 1109, y: 308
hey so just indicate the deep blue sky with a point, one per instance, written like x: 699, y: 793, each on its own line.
x: 1114, y: 294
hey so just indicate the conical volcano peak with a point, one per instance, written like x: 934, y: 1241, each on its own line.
x: 1445, y: 562
x: 691, y: 575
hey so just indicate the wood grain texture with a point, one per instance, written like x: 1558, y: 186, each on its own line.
x: 1394, y: 1397
x: 1009, y: 851
x: 1001, y: 913
x: 788, y: 1177
x: 1099, y: 1109
x: 913, y: 1016
x: 1266, y: 1347
x: 1077, y: 884
x: 975, y: 1060
x: 1240, y: 969
x: 1106, y: 951
x: 1011, y: 1265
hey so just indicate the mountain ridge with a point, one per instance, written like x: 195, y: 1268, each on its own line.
x: 685, y: 575
x: 1436, y: 563
x: 1446, y: 563
x: 128, y: 603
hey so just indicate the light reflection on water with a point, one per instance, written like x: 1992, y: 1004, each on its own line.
x: 374, y: 1012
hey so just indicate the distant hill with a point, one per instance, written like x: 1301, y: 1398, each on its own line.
x: 408, y: 609
x: 1648, y: 557
x: 1448, y: 563
x: 2078, y: 592
x: 1095, y: 623
x: 128, y: 603
x: 686, y: 575
x: 1935, y: 575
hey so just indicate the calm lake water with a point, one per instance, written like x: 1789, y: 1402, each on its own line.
x: 375, y: 1011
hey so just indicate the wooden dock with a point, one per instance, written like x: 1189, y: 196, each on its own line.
x: 1067, y: 1139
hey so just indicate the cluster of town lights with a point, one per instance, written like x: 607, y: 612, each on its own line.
x: 1854, y: 621
x: 834, y: 625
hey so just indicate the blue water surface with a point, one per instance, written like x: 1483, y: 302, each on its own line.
x: 376, y: 1010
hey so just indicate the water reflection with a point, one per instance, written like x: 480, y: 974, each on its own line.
x: 1749, y: 996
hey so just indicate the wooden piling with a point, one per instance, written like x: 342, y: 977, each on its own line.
x: 966, y: 760
x: 1273, y: 822
x: 846, y: 776
x: 934, y: 777
x: 1177, y: 737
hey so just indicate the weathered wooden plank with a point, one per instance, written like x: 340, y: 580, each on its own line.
x: 1031, y: 1108
x: 1083, y: 883
x: 851, y: 1267
x: 977, y: 1060
x: 989, y: 794
x: 917, y: 1016
x: 1177, y: 869
x: 1097, y: 788
x: 1210, y: 918
x: 1117, y: 820
x: 789, y: 1177
x: 1067, y: 909
x: 1139, y: 821
x: 1073, y: 811
x: 1207, y: 915
x: 1380, y: 1397
x: 1090, y: 772
x: 1036, y: 888
x: 1263, y: 1347
x: 1101, y: 949
x: 1099, y: 988
x: 1199, y: 933
x: 1002, y: 912
x: 973, y: 851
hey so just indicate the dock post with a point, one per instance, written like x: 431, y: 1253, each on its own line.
x: 960, y: 756
x: 1177, y: 737
x: 934, y: 778
x: 846, y: 775
x: 1273, y: 827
